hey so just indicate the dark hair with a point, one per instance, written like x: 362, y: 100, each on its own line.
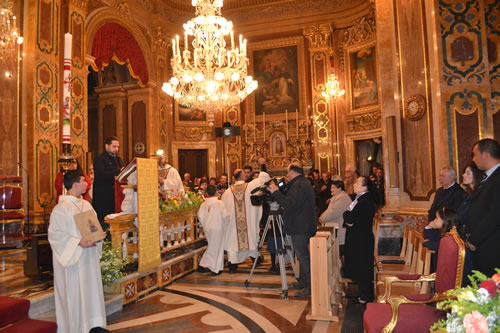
x: 237, y: 174
x: 370, y: 187
x: 315, y: 171
x: 477, y: 176
x: 339, y: 184
x: 248, y: 167
x: 450, y: 219
x: 297, y: 169
x: 211, y: 190
x: 71, y: 177
x: 490, y: 146
x: 215, y: 179
x: 110, y: 139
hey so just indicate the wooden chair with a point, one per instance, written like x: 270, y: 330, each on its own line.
x: 405, y: 254
x: 400, y: 289
x: 409, y: 313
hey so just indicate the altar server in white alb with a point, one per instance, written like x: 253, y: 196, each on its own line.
x: 78, y: 290
x: 214, y: 218
x: 242, y: 234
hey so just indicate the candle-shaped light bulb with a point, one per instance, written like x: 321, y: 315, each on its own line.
x: 173, y: 46
x: 232, y: 40
x: 185, y: 40
x: 177, y: 41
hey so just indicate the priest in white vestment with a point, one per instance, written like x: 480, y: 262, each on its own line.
x: 78, y: 292
x: 242, y: 234
x: 169, y: 177
x: 214, y: 218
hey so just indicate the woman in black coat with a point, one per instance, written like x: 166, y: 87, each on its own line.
x: 359, y: 240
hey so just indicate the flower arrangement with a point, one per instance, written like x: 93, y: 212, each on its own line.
x: 112, y: 263
x: 172, y: 200
x: 474, y: 309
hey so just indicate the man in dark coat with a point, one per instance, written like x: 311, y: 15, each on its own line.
x: 484, y: 209
x: 323, y: 192
x: 450, y: 195
x: 106, y: 167
x: 299, y: 218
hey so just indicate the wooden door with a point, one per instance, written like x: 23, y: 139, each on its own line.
x: 194, y: 161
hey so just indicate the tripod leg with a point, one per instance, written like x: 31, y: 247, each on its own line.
x: 247, y: 282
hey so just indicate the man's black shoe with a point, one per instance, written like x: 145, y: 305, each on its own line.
x: 303, y: 293
x: 99, y: 330
x: 296, y: 285
x: 202, y: 269
x: 215, y: 274
x: 274, y: 270
x: 233, y: 268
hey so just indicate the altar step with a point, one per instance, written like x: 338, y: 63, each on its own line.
x: 14, y: 317
x: 43, y: 308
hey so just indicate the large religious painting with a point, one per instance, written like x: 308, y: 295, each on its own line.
x: 185, y: 115
x: 277, y: 66
x: 363, y: 77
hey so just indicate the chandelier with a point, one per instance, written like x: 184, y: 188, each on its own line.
x: 214, y: 74
x: 9, y: 36
x: 333, y: 88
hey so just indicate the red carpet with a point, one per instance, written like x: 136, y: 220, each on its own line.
x: 14, y: 317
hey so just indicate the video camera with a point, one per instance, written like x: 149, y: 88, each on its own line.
x: 265, y: 194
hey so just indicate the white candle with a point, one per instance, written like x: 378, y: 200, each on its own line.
x: 286, y: 119
x: 307, y: 123
x: 264, y: 121
x: 177, y: 42
x: 297, y: 122
x: 185, y: 40
x: 232, y: 40
x: 173, y: 47
x: 241, y: 41
x: 254, y: 129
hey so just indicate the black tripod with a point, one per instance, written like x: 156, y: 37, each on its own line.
x: 276, y: 221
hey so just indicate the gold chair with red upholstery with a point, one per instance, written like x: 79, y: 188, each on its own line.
x: 410, y: 313
x: 11, y: 211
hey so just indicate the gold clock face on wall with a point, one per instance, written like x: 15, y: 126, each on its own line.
x: 414, y: 107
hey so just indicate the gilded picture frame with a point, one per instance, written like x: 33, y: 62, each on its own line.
x: 278, y: 144
x: 190, y: 116
x: 362, y: 77
x: 278, y: 66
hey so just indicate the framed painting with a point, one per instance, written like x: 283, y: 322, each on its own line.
x: 278, y: 67
x: 363, y: 77
x: 190, y: 116
x: 278, y: 144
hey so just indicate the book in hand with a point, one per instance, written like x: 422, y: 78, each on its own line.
x: 89, y: 226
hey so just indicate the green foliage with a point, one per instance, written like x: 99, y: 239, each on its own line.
x: 172, y: 200
x: 112, y: 263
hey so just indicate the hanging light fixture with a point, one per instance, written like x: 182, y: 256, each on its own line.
x: 333, y: 88
x: 214, y: 74
x: 9, y: 37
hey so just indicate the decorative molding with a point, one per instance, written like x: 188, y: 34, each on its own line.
x: 124, y: 10
x: 193, y: 134
x: 319, y: 36
x: 414, y: 107
x: 363, y: 29
x: 159, y: 41
x: 364, y: 122
x: 82, y: 4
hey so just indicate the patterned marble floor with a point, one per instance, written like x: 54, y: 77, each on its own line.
x: 198, y: 302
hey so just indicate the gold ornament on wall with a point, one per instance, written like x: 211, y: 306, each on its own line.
x: 414, y: 107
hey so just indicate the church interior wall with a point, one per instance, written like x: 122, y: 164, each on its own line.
x: 454, y: 93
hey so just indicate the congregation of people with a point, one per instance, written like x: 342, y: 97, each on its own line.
x: 233, y: 226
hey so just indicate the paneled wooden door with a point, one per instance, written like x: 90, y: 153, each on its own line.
x: 194, y: 161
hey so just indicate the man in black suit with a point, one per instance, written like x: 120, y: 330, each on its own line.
x: 299, y: 218
x: 450, y: 195
x: 107, y: 166
x: 484, y: 209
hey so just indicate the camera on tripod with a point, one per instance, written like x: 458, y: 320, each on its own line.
x: 265, y: 194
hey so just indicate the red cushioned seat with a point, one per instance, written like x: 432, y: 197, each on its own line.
x: 11, y: 216
x: 11, y: 197
x: 418, y: 318
x: 32, y: 326
x: 415, y: 318
x: 13, y: 310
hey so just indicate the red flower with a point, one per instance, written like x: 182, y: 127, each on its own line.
x: 491, y: 286
x: 496, y: 278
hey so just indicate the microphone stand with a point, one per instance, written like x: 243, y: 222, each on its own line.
x: 27, y: 202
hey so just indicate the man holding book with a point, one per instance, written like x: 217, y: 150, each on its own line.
x: 75, y: 238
